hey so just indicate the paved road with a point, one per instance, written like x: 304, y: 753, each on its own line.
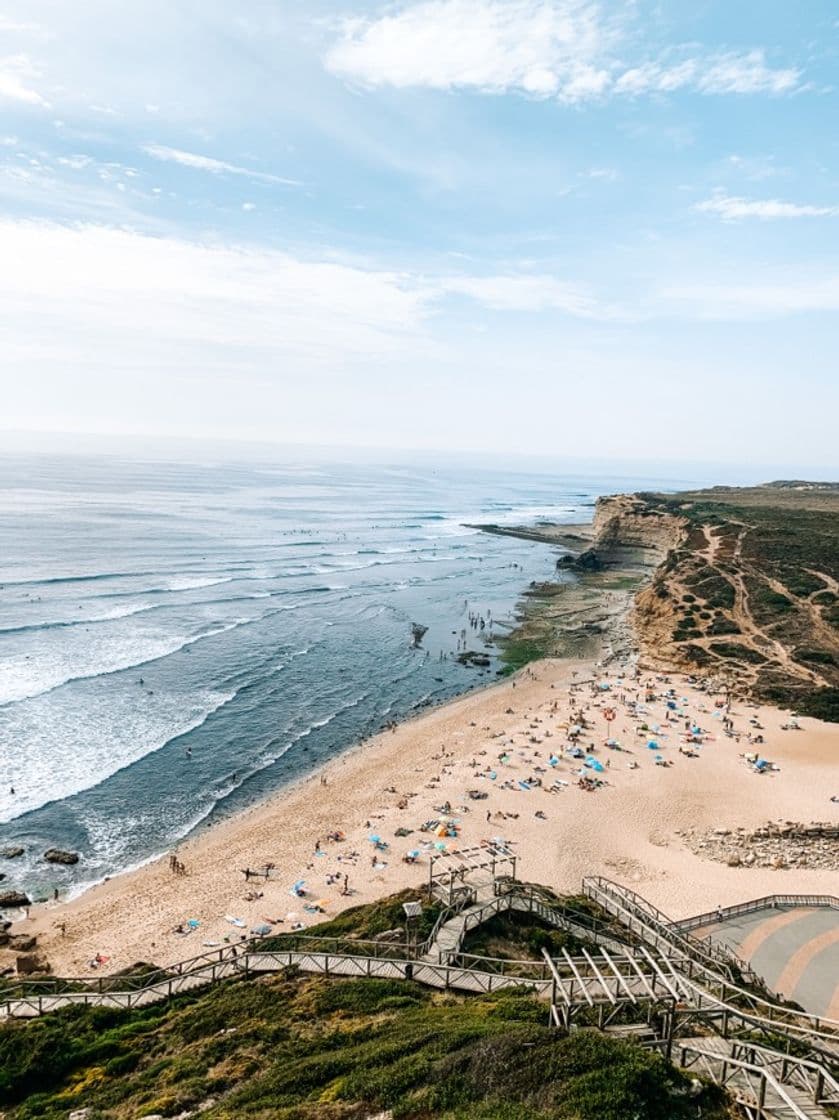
x: 795, y: 950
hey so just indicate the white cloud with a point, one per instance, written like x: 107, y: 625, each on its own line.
x: 541, y: 48
x: 16, y: 73
x: 215, y: 166
x: 106, y: 285
x: 524, y: 293
x: 745, y: 73
x: 608, y: 174
x: 732, y: 209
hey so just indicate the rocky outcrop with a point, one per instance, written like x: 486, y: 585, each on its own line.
x: 780, y: 846
x: 14, y: 900
x: 12, y: 851
x: 628, y: 530
x: 30, y: 964
x: 57, y: 855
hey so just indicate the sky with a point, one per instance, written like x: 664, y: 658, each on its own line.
x: 551, y: 226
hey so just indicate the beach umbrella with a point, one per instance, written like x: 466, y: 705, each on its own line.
x: 322, y: 903
x: 261, y: 930
x: 652, y: 745
x: 193, y: 923
x: 374, y: 838
x: 440, y: 846
x: 414, y: 853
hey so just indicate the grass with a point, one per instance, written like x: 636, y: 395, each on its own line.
x: 291, y: 1047
x: 315, y: 1049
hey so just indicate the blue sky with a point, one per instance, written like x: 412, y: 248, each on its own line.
x: 556, y: 225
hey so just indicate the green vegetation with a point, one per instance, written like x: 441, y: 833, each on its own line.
x: 291, y: 1047
x: 519, y: 937
x: 367, y: 922
x: 317, y: 1049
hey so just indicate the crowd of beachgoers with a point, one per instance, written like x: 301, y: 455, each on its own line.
x: 576, y: 768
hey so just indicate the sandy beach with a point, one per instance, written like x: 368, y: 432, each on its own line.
x: 512, y: 745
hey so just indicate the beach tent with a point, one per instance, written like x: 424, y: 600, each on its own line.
x: 593, y: 764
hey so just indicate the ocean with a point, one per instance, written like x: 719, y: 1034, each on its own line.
x: 179, y: 640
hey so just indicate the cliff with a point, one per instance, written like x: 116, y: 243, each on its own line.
x: 746, y: 586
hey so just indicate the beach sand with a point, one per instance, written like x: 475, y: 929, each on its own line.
x: 626, y: 830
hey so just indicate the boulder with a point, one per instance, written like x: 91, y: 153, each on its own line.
x: 12, y: 851
x: 30, y: 963
x: 56, y: 855
x: 79, y: 1114
x: 22, y: 942
x: 14, y: 900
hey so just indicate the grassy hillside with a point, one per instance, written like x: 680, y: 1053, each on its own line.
x: 289, y: 1047
x: 301, y: 1049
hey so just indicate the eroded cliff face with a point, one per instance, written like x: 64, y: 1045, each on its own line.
x: 737, y: 592
x: 629, y: 530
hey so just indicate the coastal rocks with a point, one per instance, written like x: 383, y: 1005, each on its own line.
x: 780, y: 846
x: 14, y: 900
x: 11, y: 851
x: 22, y: 942
x: 57, y: 855
x: 29, y: 964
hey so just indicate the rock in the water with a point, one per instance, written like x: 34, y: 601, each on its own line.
x: 13, y: 900
x: 11, y: 852
x: 56, y: 855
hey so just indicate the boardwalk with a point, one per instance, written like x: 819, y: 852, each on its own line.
x: 642, y: 976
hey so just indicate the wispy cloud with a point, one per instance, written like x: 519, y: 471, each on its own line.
x: 745, y: 72
x: 532, y: 293
x: 733, y: 209
x: 17, y: 72
x: 541, y: 48
x: 754, y: 299
x: 214, y: 166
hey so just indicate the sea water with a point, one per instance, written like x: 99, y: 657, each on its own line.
x: 177, y: 641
